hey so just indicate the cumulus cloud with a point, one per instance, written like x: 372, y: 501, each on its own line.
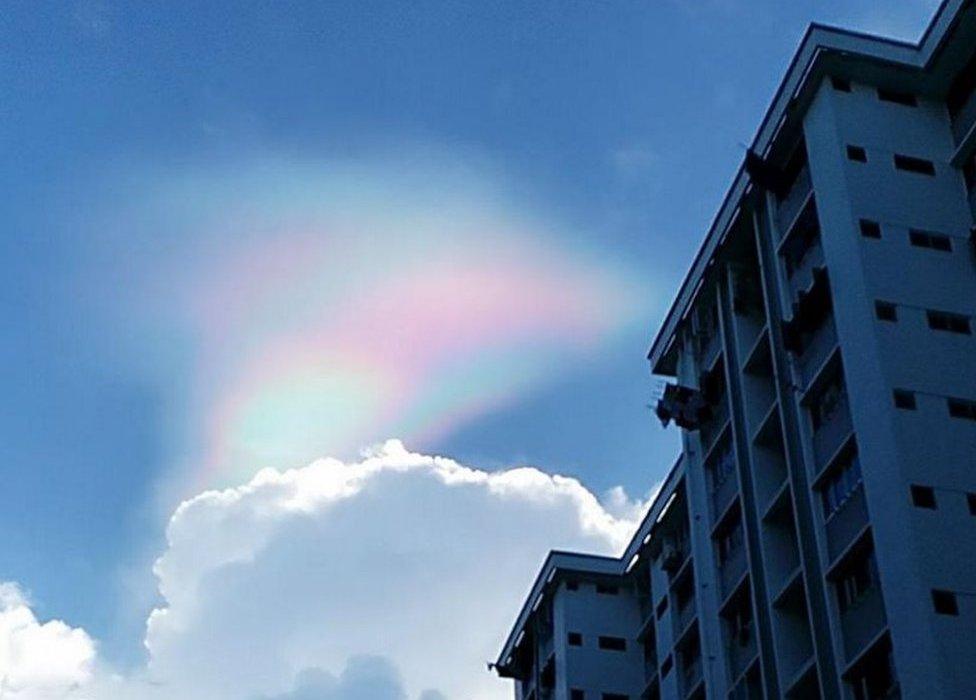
x: 394, y: 577
x: 39, y: 660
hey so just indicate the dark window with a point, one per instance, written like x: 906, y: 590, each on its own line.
x: 826, y: 405
x: 904, y: 399
x: 876, y: 677
x: 858, y: 154
x: 576, y: 694
x: 927, y: 239
x: 613, y: 696
x: 856, y: 583
x: 945, y: 602
x: 666, y: 666
x: 575, y: 639
x: 662, y: 607
x: 914, y: 165
x: 962, y: 88
x: 606, y: 590
x: 840, y: 485
x: 729, y: 543
x: 945, y: 321
x: 885, y: 311
x: 923, y: 496
x: 961, y: 408
x: 612, y: 643
x: 870, y: 229
x: 722, y: 467
x: 572, y: 585
x: 840, y: 84
x: 902, y: 98
x: 971, y: 502
x: 969, y: 172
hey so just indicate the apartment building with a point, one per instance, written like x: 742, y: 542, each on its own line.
x: 817, y: 536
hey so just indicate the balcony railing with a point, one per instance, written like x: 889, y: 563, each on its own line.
x: 862, y: 622
x: 740, y: 655
x: 723, y: 494
x: 846, y: 523
x: 802, y: 276
x: 683, y: 617
x: 790, y: 206
x: 691, y: 674
x: 831, y: 435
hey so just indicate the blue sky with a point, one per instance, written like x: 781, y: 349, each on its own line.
x: 240, y: 235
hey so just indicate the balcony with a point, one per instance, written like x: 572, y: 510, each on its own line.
x: 683, y: 617
x: 741, y: 655
x: 846, y: 523
x: 802, y: 276
x: 723, y: 493
x: 832, y: 435
x: 863, y: 622
x: 708, y: 347
x: 691, y: 676
x: 713, y: 429
x: 791, y: 205
x: 819, y: 349
x: 732, y: 570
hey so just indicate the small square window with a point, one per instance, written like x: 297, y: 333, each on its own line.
x: 923, y: 497
x: 911, y: 164
x: 870, y: 229
x: 885, y: 311
x: 971, y: 502
x: 612, y: 643
x: 904, y: 399
x: 945, y: 602
x: 574, y: 639
x: 840, y: 84
x: 902, y: 98
x: 576, y: 694
x: 857, y: 154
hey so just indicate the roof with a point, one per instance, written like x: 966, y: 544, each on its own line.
x: 822, y: 49
x: 561, y: 563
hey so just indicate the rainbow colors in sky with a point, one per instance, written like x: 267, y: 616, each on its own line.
x: 323, y: 307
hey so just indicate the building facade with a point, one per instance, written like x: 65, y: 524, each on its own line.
x: 817, y: 536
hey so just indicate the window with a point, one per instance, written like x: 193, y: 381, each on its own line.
x: 927, y: 239
x: 885, y: 311
x: 576, y: 694
x: 729, y: 543
x: 962, y: 408
x: 605, y: 589
x: 723, y: 467
x: 612, y: 643
x: 875, y: 678
x: 574, y: 639
x: 857, y: 154
x: 870, y: 229
x: 946, y: 321
x: 923, y: 496
x: 902, y: 98
x: 840, y: 84
x: 840, y: 485
x: 904, y: 399
x: 945, y: 602
x: 971, y: 502
x: 662, y: 607
x: 613, y: 696
x: 914, y: 165
x: 855, y: 584
x: 827, y: 404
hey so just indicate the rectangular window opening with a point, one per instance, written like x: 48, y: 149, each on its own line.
x: 870, y: 229
x: 840, y: 84
x: 927, y: 239
x: 902, y: 98
x: 945, y: 602
x: 971, y: 502
x: 904, y: 399
x: 911, y: 164
x: 962, y: 408
x: 885, y: 311
x: 949, y: 322
x: 612, y: 643
x: 613, y: 696
x: 576, y: 694
x: 923, y: 496
x: 574, y: 639
x: 857, y: 154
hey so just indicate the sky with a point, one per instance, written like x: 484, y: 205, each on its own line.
x: 323, y: 321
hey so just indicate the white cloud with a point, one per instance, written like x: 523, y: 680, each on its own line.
x: 392, y: 578
x: 39, y: 660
